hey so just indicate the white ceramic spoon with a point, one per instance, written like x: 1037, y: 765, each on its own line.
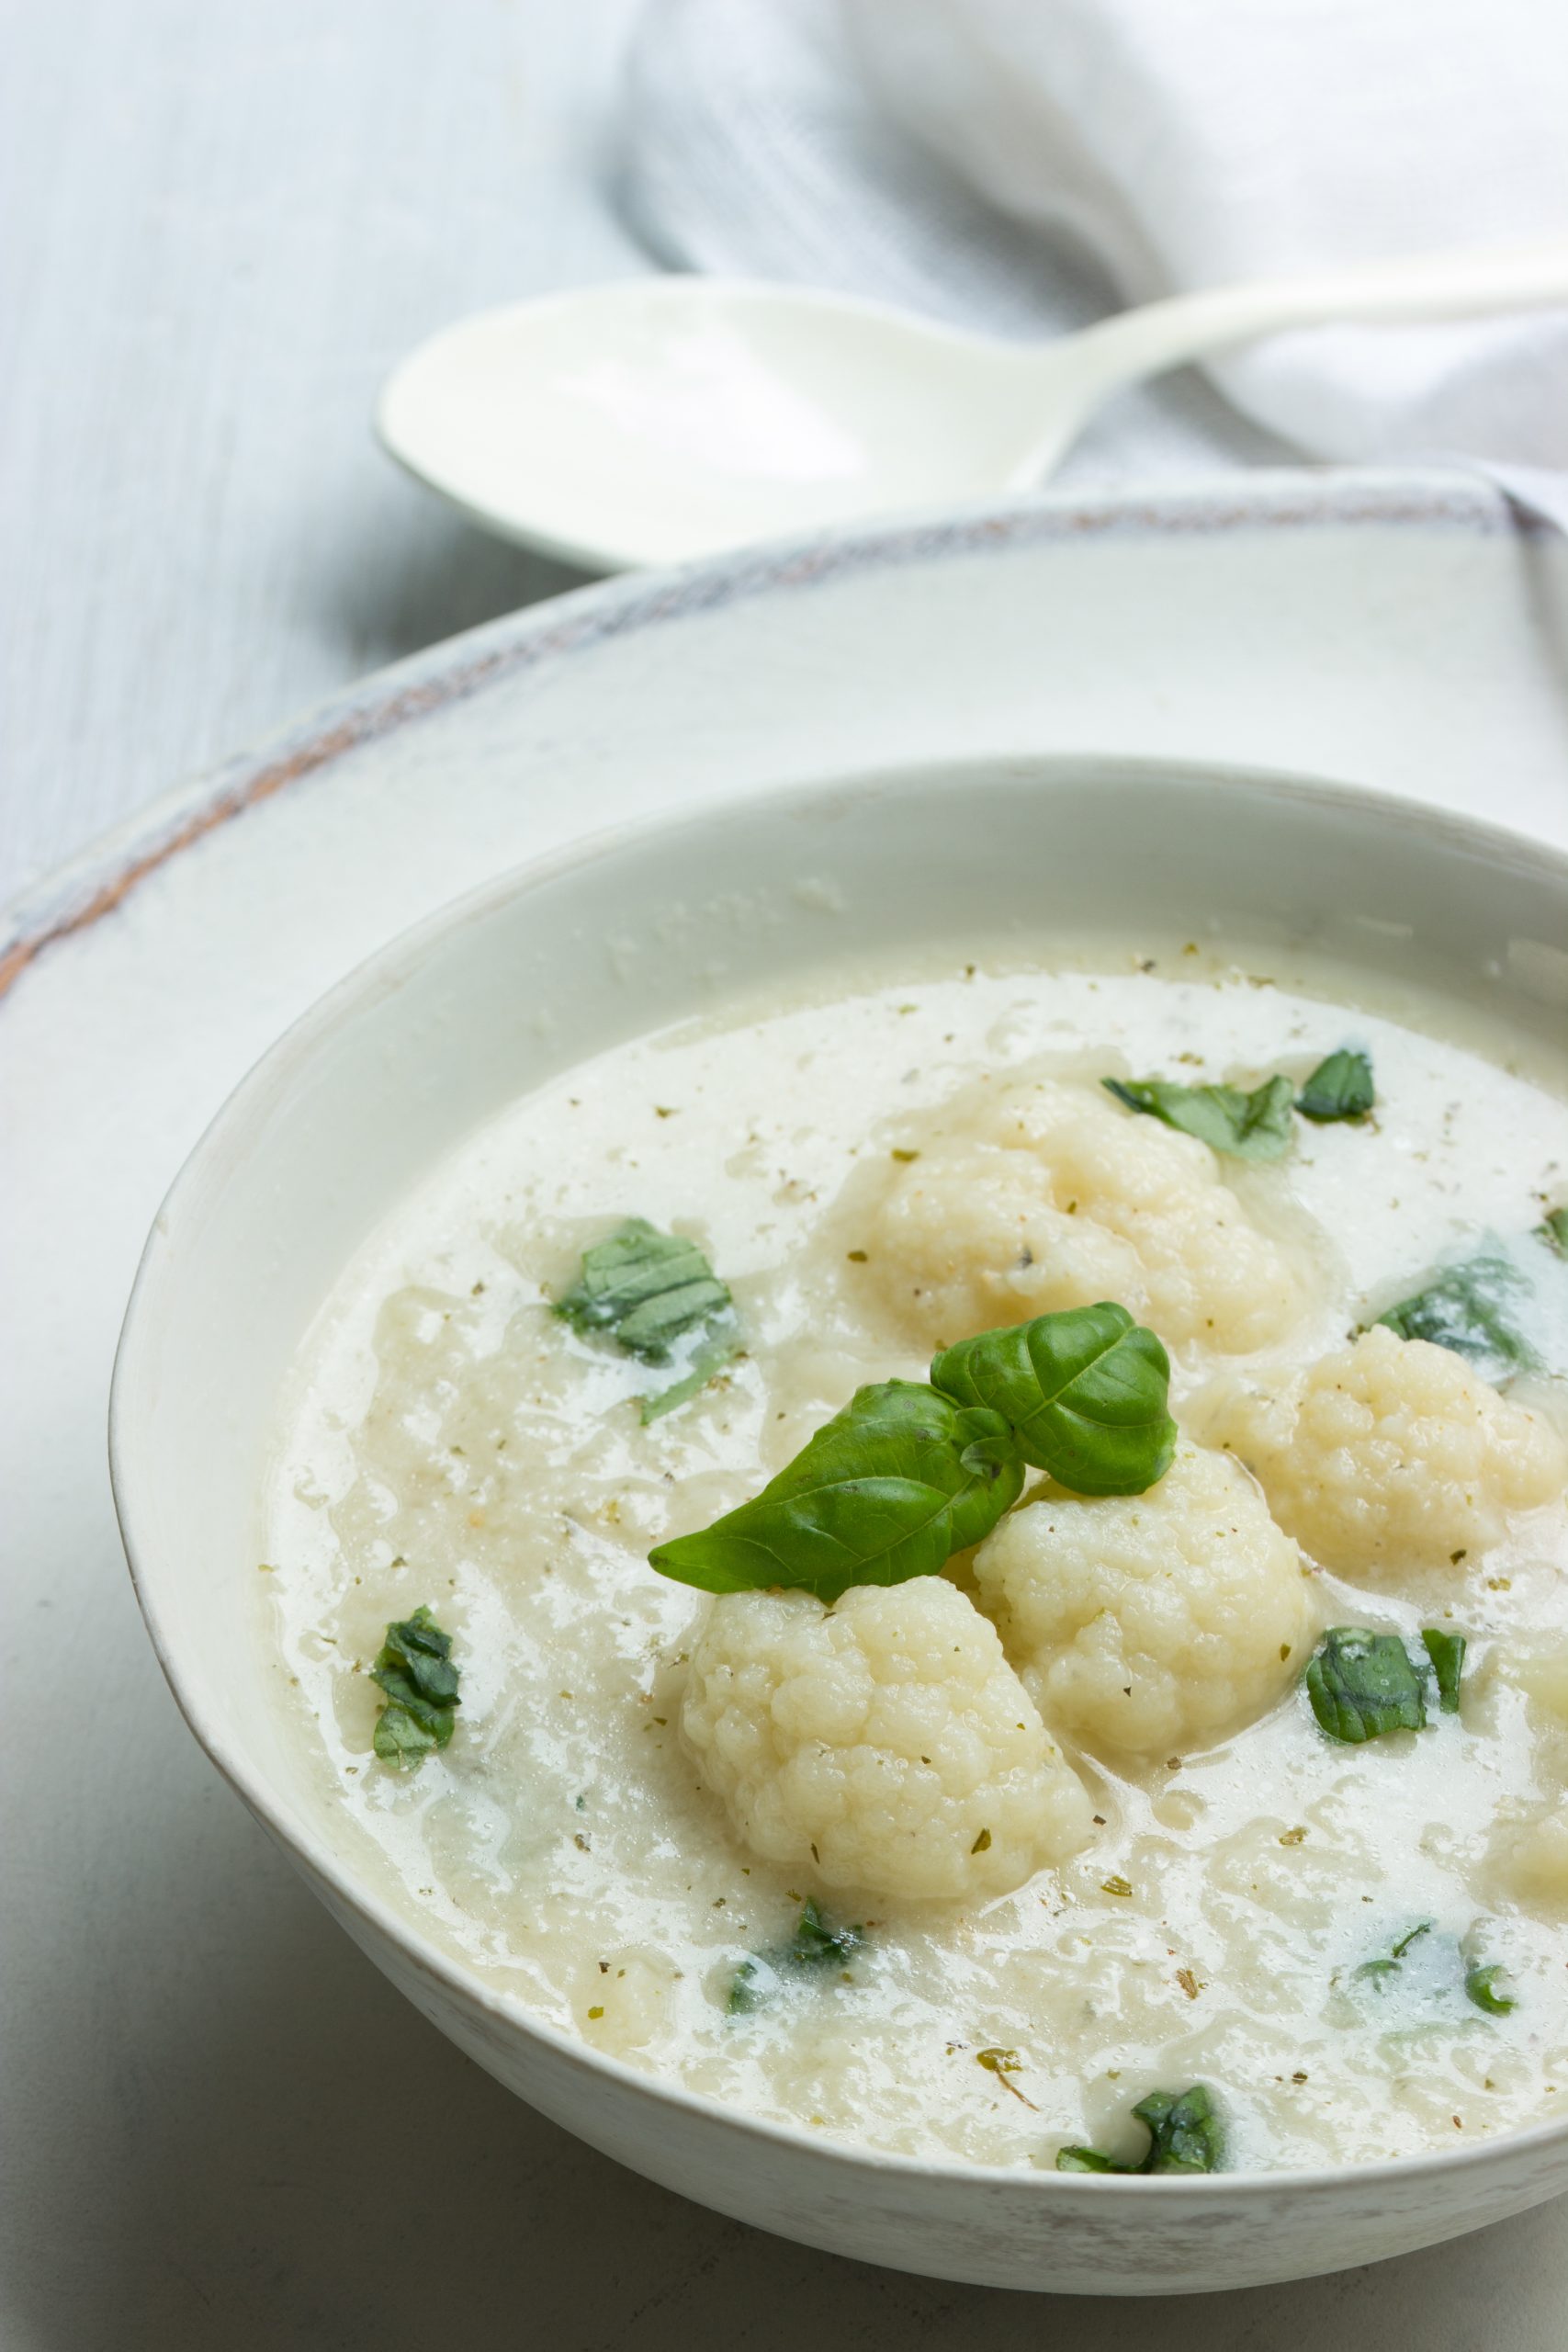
x: 666, y: 417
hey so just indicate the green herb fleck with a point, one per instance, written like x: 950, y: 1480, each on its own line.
x: 1085, y: 1391
x: 1339, y: 1087
x: 1254, y: 1125
x: 1447, y: 1654
x: 1185, y: 2135
x: 813, y: 1946
x: 1484, y: 1984
x: 705, y: 1365
x: 1554, y: 1231
x: 1468, y: 1307
x: 1387, y: 1964
x: 414, y: 1668
x: 1364, y: 1684
x: 890, y: 1488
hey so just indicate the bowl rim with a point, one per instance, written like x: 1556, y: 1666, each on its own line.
x: 380, y: 974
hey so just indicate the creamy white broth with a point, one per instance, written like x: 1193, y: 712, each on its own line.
x: 447, y: 1440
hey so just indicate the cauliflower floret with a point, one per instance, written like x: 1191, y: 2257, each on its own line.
x: 1390, y: 1454
x: 1039, y: 1195
x: 884, y: 1743
x: 1150, y: 1622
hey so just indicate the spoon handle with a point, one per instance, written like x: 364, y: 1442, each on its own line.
x: 1159, y: 335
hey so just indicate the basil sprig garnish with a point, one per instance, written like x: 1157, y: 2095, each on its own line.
x: 890, y: 1488
x: 1364, y: 1684
x: 1084, y: 1392
x: 813, y: 1949
x: 908, y: 1473
x: 657, y: 1297
x: 1185, y: 2135
x: 414, y: 1668
x: 1254, y: 1125
x: 1339, y: 1087
x: 1469, y: 1307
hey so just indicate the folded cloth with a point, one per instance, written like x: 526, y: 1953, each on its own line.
x: 1026, y: 165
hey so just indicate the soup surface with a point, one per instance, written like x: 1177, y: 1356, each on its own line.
x: 1362, y: 1949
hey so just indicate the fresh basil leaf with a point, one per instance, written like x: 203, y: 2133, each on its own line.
x: 1468, y: 1307
x: 1554, y: 1231
x: 1085, y: 1392
x: 1185, y: 2135
x: 644, y: 1289
x: 709, y: 1360
x: 1339, y: 1087
x: 414, y: 1668
x: 1484, y: 1984
x: 1364, y: 1684
x: 1447, y: 1654
x: 890, y: 1488
x: 813, y: 1946
x: 1247, y: 1127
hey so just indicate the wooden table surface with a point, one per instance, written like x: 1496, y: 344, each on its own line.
x: 223, y: 221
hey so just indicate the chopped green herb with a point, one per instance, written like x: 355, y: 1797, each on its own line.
x: 414, y: 1668
x: 656, y: 1295
x: 1387, y: 1964
x: 646, y: 1289
x: 890, y: 1488
x: 1468, y: 1307
x: 1364, y: 1684
x: 1447, y: 1654
x: 1484, y: 1986
x: 1185, y: 2135
x: 1254, y: 1125
x: 814, y: 1945
x: 1339, y: 1087
x: 708, y: 1362
x: 1085, y: 1391
x: 1554, y: 1231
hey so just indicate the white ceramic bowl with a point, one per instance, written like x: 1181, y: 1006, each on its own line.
x: 567, y: 957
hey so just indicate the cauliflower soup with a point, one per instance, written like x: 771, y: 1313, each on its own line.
x: 1099, y: 1697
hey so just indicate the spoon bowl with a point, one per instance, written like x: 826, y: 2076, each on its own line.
x: 671, y: 417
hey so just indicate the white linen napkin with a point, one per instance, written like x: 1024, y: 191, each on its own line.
x: 1026, y: 165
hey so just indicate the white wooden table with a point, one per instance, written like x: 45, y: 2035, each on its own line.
x: 223, y: 219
